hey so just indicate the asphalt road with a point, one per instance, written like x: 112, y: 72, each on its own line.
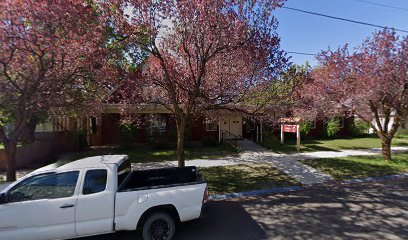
x: 359, y: 211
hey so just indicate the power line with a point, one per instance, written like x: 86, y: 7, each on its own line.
x: 343, y: 19
x: 383, y: 5
x: 302, y: 53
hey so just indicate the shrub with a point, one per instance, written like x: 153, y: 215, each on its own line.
x: 305, y: 128
x: 231, y: 148
x: 269, y: 139
x: 127, y: 131
x: 80, y: 139
x: 332, y: 127
x: 159, y: 144
x: 188, y: 133
x: 209, y: 141
x: 172, y: 134
x: 360, y: 128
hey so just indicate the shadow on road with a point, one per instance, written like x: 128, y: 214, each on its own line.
x: 359, y: 211
x: 220, y: 220
x: 362, y: 211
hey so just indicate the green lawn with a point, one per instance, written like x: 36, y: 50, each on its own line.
x: 245, y: 177
x: 361, y: 166
x: 312, y: 145
x: 145, y: 153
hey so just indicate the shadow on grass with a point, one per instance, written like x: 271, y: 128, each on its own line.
x: 401, y: 144
x: 337, y: 144
x: 289, y: 146
x: 146, y: 153
x: 240, y: 178
x: 316, y: 148
x: 361, y: 166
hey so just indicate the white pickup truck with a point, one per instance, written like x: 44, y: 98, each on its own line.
x: 99, y: 195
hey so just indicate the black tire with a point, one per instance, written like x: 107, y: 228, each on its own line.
x: 159, y: 226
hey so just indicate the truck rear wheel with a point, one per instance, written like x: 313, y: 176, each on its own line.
x: 159, y: 226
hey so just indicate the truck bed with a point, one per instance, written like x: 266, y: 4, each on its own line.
x: 159, y: 178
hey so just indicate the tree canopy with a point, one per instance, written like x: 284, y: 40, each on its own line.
x: 371, y: 82
x: 203, y: 55
x: 52, y: 57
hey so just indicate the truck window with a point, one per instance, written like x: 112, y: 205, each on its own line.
x: 45, y: 186
x: 95, y: 181
x: 123, y: 170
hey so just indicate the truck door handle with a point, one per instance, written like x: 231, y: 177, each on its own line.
x: 67, y: 206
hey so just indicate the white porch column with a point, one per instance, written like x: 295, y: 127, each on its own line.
x: 219, y: 129
x: 298, y: 137
x: 282, y: 135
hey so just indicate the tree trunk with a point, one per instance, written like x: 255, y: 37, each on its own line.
x: 181, y: 126
x: 386, y: 148
x: 11, y: 149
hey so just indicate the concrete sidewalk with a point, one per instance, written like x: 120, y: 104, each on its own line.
x: 253, y: 153
x: 288, y: 163
x: 291, y: 163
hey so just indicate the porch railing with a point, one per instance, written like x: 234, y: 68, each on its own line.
x: 228, y: 137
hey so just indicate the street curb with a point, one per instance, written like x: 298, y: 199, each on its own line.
x: 255, y: 193
x: 215, y: 197
x: 376, y: 179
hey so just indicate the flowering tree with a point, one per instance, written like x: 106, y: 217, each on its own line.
x: 203, y: 55
x: 372, y: 82
x: 285, y: 93
x: 50, y: 54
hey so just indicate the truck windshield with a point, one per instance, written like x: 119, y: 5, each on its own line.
x: 123, y: 170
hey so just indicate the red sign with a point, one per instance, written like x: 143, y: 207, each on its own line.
x: 289, y: 128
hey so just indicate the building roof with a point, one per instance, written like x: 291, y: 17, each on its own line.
x: 134, y: 108
x: 290, y: 120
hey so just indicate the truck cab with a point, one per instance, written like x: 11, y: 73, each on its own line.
x: 99, y: 195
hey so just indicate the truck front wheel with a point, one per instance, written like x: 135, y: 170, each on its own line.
x: 159, y: 226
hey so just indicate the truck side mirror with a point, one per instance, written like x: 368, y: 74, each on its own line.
x: 3, y: 198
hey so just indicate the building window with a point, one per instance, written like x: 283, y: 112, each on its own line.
x: 45, y: 127
x: 156, y: 124
x: 341, y: 120
x: 313, y: 124
x: 211, y: 125
x: 93, y: 125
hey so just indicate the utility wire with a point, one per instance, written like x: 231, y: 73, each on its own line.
x: 382, y: 5
x: 343, y: 19
x: 302, y: 53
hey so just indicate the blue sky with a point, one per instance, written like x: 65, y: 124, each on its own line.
x: 302, y: 32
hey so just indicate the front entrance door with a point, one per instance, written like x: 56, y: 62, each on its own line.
x: 231, y: 126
